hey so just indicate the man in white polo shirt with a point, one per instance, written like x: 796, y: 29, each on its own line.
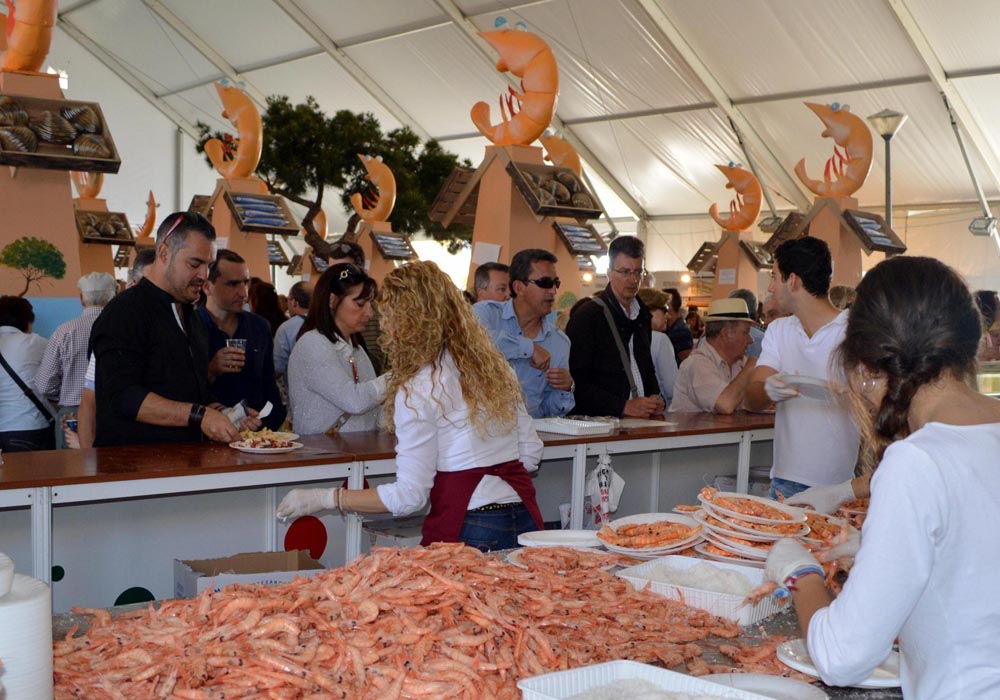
x: 815, y: 440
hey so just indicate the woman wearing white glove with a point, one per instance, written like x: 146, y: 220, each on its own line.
x: 927, y: 567
x: 464, y: 439
x: 826, y: 499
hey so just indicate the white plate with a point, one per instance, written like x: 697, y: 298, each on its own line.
x: 559, y: 538
x: 648, y: 554
x: 797, y: 514
x: 736, y: 548
x: 266, y: 450
x: 700, y: 548
x: 809, y: 387
x: 794, y: 654
x: 743, y: 533
x: 514, y: 557
x: 652, y: 518
x: 775, y: 687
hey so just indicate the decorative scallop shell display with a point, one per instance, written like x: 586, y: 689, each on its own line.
x: 18, y: 138
x: 583, y: 200
x: 11, y: 112
x: 569, y: 181
x: 83, y: 118
x: 91, y: 146
x: 53, y: 128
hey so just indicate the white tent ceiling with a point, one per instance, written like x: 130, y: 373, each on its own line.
x: 650, y: 90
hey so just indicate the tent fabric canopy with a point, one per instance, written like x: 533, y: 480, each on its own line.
x: 649, y: 88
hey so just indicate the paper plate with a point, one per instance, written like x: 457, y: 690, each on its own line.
x: 266, y: 450
x: 559, y: 538
x: 653, y: 518
x: 775, y: 687
x: 809, y: 387
x: 797, y: 514
x: 711, y: 556
x: 733, y: 530
x: 737, y: 548
x: 514, y: 557
x: 794, y: 654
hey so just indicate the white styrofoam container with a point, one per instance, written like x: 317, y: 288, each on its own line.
x: 566, y: 684
x: 722, y: 604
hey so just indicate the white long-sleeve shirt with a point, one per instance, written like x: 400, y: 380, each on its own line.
x: 435, y: 434
x: 928, y: 571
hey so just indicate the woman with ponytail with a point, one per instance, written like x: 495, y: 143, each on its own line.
x: 927, y: 569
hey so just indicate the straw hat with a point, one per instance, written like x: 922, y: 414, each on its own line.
x: 734, y: 309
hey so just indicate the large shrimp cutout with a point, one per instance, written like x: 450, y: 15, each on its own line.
x: 242, y: 112
x: 743, y: 210
x: 851, y: 166
x: 29, y: 34
x: 380, y: 176
x: 145, y: 234
x: 529, y: 58
x: 561, y: 153
x: 88, y: 185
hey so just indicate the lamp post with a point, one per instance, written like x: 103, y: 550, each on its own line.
x: 886, y: 123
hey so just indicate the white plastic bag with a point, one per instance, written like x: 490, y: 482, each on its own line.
x: 604, y: 487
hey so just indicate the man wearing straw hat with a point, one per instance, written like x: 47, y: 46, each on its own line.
x: 714, y: 378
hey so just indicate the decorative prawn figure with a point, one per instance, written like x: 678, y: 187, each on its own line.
x: 561, y: 153
x: 851, y: 165
x: 242, y: 112
x: 528, y: 57
x: 145, y: 234
x: 381, y: 177
x: 29, y: 34
x: 88, y: 185
x: 745, y: 207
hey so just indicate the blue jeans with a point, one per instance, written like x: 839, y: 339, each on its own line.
x: 496, y: 529
x: 785, y: 487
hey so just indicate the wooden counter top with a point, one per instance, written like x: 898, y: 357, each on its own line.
x: 20, y: 470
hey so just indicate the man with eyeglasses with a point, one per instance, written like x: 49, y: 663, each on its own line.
x: 610, y: 339
x: 523, y: 331
x: 152, y: 349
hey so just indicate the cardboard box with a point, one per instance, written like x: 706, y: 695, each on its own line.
x: 396, y: 532
x: 193, y: 576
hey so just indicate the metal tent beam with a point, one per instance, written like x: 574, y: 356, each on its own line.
x: 365, y: 81
x: 472, y: 34
x: 964, y: 116
x: 790, y: 185
x: 126, y: 74
x: 205, y: 49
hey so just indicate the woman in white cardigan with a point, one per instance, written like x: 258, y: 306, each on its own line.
x: 331, y: 382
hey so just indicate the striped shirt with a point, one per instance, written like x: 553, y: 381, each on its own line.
x: 60, y: 376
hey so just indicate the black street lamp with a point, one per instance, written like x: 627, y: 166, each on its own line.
x: 886, y: 123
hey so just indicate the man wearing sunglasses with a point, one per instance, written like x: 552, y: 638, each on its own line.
x: 152, y: 349
x: 523, y: 331
x: 610, y: 340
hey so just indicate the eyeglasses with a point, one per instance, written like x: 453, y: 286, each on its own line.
x: 625, y: 272
x: 545, y: 282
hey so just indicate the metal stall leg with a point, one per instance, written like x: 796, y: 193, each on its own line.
x: 576, y: 495
x: 743, y: 463
x: 41, y: 533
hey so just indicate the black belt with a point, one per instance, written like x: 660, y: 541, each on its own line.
x: 496, y: 506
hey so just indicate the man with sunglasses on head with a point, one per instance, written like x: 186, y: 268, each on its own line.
x: 610, y: 338
x: 523, y: 331
x: 152, y: 349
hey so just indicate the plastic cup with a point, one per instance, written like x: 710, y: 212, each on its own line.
x: 72, y: 424
x: 238, y: 343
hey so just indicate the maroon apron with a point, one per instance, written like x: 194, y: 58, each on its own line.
x: 452, y: 492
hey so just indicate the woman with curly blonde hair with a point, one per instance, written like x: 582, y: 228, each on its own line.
x: 464, y: 438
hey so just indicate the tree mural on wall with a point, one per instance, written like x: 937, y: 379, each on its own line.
x: 305, y: 151
x: 35, y: 258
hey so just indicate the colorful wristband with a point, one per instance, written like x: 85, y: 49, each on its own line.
x: 793, y: 577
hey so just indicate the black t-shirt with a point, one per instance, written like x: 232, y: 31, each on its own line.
x: 680, y: 337
x: 140, y: 348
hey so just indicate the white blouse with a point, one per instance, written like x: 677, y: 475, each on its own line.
x: 435, y: 433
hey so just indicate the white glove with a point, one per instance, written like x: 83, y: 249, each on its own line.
x: 787, y: 557
x: 824, y: 499
x: 845, y: 550
x: 300, y: 502
x: 777, y: 388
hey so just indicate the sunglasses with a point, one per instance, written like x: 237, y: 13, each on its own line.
x: 545, y: 282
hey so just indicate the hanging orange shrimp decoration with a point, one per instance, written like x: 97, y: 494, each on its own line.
x: 29, y: 34
x: 528, y: 57
x: 381, y: 205
x: 243, y: 113
x: 561, y: 153
x: 850, y: 166
x: 144, y: 236
x: 743, y: 210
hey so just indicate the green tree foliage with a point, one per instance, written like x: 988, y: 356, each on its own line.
x: 34, y: 258
x: 305, y: 151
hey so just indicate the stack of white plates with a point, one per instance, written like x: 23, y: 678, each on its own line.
x: 559, y: 538
x: 673, y: 547
x: 736, y: 535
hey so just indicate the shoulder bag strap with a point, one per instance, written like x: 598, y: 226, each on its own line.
x: 27, y: 391
x: 626, y: 363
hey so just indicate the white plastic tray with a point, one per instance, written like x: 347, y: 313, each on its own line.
x: 566, y: 684
x: 722, y: 604
x: 571, y: 426
x: 560, y: 538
